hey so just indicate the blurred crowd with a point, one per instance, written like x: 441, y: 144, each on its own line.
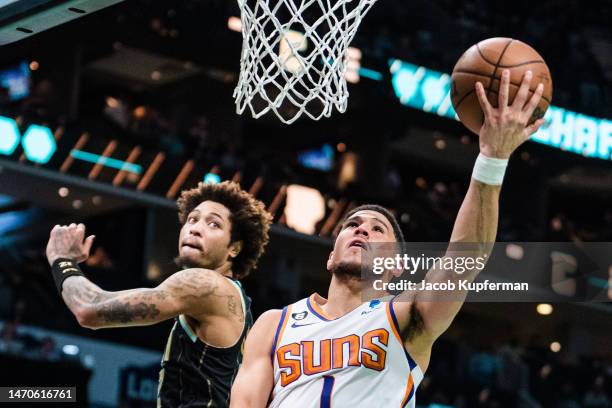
x: 12, y: 341
x: 513, y: 376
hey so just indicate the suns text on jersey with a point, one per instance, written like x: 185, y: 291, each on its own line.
x: 297, y: 359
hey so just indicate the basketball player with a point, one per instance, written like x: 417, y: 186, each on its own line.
x: 223, y: 235
x: 342, y: 352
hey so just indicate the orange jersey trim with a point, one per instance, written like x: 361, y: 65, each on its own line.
x: 392, y: 324
x: 281, y: 329
x: 317, y: 309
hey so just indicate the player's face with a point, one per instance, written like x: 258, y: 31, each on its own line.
x: 204, y: 240
x: 357, y: 233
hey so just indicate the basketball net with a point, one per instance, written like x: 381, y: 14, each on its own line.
x: 294, y: 56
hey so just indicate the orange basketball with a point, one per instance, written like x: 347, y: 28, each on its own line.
x: 485, y: 62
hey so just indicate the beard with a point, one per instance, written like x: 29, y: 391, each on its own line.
x: 347, y: 271
x: 187, y: 262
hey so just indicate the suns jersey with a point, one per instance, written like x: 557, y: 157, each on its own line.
x: 357, y: 360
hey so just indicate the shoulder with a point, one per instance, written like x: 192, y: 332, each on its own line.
x: 266, y: 325
x: 204, y: 291
x: 269, y: 319
x: 261, y: 337
x: 198, y: 279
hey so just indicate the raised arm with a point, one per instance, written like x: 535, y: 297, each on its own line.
x: 505, y: 128
x: 255, y: 380
x: 193, y: 292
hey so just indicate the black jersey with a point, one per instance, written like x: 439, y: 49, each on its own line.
x: 195, y: 374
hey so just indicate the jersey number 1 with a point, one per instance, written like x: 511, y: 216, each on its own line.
x: 328, y: 386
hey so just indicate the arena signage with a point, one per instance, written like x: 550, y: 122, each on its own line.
x: 429, y: 90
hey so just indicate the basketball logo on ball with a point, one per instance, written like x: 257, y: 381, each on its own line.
x: 485, y: 62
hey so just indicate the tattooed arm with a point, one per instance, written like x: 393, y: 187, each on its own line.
x: 193, y: 292
x: 199, y: 293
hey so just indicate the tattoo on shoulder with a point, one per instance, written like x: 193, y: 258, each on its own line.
x: 233, y: 308
x: 198, y: 286
x: 192, y: 280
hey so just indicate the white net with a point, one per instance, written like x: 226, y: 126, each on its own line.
x: 294, y: 56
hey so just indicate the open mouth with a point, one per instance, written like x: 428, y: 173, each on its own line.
x: 358, y: 244
x: 192, y: 245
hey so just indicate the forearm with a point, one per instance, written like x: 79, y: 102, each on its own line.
x: 79, y: 292
x: 477, y: 218
x: 472, y: 237
x: 96, y: 308
x: 475, y: 228
x: 250, y: 393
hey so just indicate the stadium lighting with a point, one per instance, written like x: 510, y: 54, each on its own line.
x: 39, y: 144
x: 9, y: 136
x: 304, y: 208
x: 70, y: 349
x: 63, y: 192
x: 353, y: 65
x: 212, y: 178
x: 106, y: 161
x: 555, y: 347
x: 544, y: 309
x: 234, y: 23
x: 515, y: 251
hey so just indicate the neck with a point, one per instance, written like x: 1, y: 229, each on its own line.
x: 225, y: 269
x: 344, y: 295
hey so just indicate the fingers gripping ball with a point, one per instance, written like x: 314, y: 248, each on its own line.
x: 484, y: 62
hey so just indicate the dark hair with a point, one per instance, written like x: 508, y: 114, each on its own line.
x: 248, y: 216
x: 397, y: 231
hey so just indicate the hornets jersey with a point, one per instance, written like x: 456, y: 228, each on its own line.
x: 357, y: 360
x: 195, y: 374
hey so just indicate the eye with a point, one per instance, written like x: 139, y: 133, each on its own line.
x: 350, y: 224
x: 379, y: 229
x: 192, y: 219
x: 214, y: 224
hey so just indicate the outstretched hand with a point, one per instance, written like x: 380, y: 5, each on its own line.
x: 69, y: 242
x: 506, y: 127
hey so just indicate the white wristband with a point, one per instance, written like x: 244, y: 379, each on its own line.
x: 489, y: 171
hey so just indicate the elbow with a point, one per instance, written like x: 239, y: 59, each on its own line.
x: 86, y: 317
x: 238, y: 398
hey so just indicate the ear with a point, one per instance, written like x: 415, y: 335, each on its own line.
x: 235, y: 248
x: 329, y: 261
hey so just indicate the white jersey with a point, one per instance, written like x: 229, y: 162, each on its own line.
x: 357, y: 360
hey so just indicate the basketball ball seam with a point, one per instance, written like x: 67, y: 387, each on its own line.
x: 497, y: 64
x: 482, y: 55
x: 507, y: 66
x: 475, y: 73
x: 522, y: 63
x: 463, y: 98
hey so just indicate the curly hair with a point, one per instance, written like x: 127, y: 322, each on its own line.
x: 249, y: 219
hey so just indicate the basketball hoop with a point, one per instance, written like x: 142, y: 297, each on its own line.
x: 294, y: 56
